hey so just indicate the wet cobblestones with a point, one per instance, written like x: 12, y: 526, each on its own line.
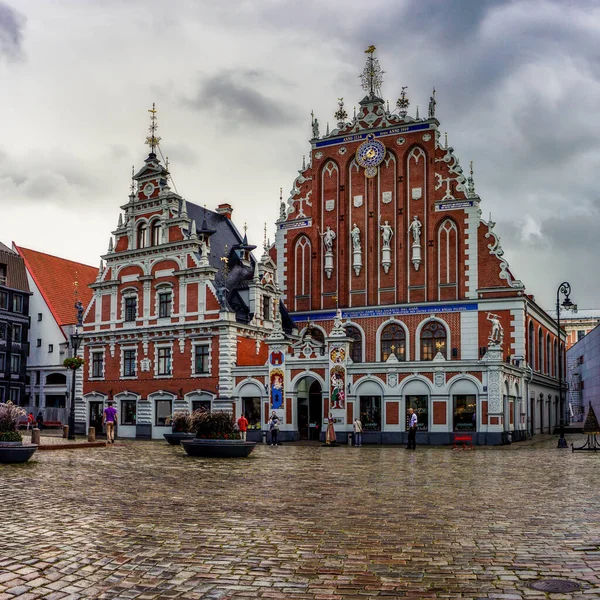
x: 142, y: 520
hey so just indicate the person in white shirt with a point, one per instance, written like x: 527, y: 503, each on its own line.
x: 357, y: 432
x: 412, y: 430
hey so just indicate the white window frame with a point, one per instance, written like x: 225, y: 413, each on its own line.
x: 122, y: 364
x: 207, y: 343
x: 163, y: 288
x: 125, y: 294
x: 157, y: 347
x: 91, y: 363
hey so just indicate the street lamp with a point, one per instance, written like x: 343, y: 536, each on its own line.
x: 564, y: 289
x: 76, y: 339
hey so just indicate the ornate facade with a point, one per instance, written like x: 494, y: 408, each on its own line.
x: 400, y: 293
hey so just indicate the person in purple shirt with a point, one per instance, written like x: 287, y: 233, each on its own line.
x: 109, y: 418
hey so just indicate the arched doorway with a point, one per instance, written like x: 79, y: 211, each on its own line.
x: 309, y: 407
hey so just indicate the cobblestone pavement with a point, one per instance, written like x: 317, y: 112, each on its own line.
x: 142, y: 520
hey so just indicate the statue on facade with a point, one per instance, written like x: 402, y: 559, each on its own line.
x: 355, y: 235
x: 432, y: 104
x: 497, y: 333
x: 415, y: 227
x: 315, y: 128
x: 386, y: 233
x: 328, y: 236
x: 80, y: 310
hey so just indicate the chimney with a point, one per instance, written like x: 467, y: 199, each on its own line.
x: 225, y: 209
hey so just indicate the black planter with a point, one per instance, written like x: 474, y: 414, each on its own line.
x: 175, y: 438
x: 218, y: 448
x: 16, y: 452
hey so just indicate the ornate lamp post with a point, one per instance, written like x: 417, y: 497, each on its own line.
x: 76, y: 340
x: 564, y: 289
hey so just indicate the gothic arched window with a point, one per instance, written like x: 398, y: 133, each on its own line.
x: 531, y: 346
x: 540, y: 357
x: 393, y: 335
x: 433, y: 340
x: 356, y: 344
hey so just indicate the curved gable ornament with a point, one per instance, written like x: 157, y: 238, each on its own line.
x: 496, y: 250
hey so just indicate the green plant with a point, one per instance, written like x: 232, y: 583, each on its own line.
x: 10, y: 415
x: 214, y: 425
x: 10, y: 436
x: 73, y: 363
x: 181, y: 421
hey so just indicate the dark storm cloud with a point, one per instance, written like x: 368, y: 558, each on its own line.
x: 11, y: 32
x: 236, y: 96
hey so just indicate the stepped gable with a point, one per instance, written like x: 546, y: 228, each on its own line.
x: 55, y: 276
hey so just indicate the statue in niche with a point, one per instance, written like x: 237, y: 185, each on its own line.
x: 328, y: 236
x: 80, y: 309
x: 415, y: 227
x: 386, y: 233
x: 355, y: 235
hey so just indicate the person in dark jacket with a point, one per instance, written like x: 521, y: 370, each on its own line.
x: 40, y: 420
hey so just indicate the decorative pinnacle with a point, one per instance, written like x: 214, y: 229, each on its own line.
x: 403, y: 102
x: 471, y: 181
x: 372, y: 76
x: 446, y: 139
x: 340, y: 114
x: 265, y: 246
x: 132, y: 186
x: 152, y: 140
x: 76, y: 287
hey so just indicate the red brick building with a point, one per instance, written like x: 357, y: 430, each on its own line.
x: 384, y: 229
x: 397, y: 290
x: 178, y: 301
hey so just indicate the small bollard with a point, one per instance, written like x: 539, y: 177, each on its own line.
x: 65, y: 431
x: 92, y: 434
x: 264, y: 437
x: 35, y: 436
x: 350, y: 439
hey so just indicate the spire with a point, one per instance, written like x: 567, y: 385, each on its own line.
x: 417, y: 115
x: 183, y: 208
x: 152, y: 140
x: 403, y: 102
x: 245, y: 240
x: 110, y: 245
x: 132, y: 186
x: 327, y: 132
x: 193, y: 231
x: 372, y: 76
x: 446, y: 139
x: 265, y: 245
x: 304, y: 162
x: 120, y: 223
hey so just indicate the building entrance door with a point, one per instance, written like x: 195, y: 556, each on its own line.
x: 309, y: 409
x: 96, y: 409
x: 303, y: 422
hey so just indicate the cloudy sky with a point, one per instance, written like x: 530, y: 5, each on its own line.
x: 517, y: 85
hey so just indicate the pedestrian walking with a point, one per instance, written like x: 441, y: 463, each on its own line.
x: 109, y: 418
x: 243, y: 427
x: 357, y: 432
x: 40, y: 420
x: 30, y: 420
x: 330, y: 438
x: 274, y: 429
x: 412, y: 430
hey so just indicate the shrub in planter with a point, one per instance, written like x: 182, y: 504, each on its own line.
x: 180, y: 421
x: 214, y: 425
x: 10, y: 436
x: 10, y: 415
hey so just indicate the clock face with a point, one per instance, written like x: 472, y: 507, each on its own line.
x: 148, y: 189
x: 370, y: 153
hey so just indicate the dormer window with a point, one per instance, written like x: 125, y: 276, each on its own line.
x: 266, y: 308
x: 141, y: 235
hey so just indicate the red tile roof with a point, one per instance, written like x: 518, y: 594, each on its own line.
x: 55, y: 277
